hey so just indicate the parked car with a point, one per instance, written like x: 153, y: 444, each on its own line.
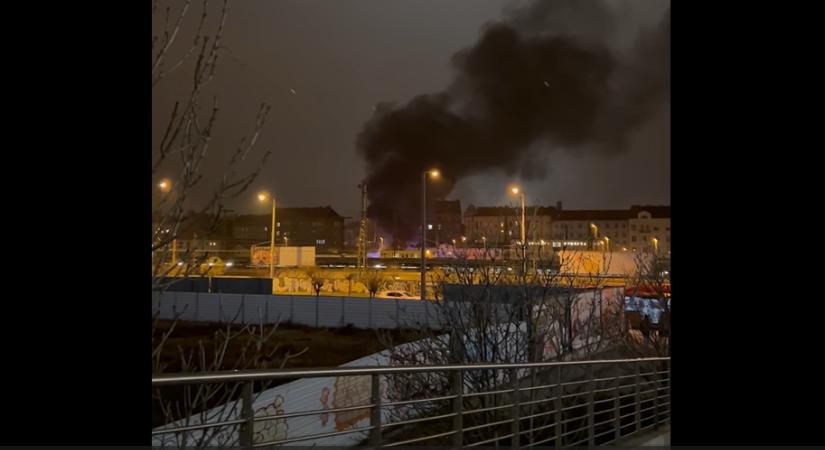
x: 401, y: 295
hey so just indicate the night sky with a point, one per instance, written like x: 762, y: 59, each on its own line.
x: 323, y: 66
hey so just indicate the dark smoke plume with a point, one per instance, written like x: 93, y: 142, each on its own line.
x: 545, y: 74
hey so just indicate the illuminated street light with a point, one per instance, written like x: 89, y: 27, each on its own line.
x: 165, y: 185
x: 516, y: 191
x: 262, y: 196
x: 607, y: 243
x: 655, y: 246
x: 433, y: 173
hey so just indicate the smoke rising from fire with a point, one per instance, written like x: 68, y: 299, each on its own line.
x: 548, y: 73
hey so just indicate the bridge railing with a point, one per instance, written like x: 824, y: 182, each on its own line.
x: 596, y: 402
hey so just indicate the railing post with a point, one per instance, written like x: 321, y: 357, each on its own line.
x: 591, y: 386
x: 248, y: 427
x: 516, y: 408
x: 532, y: 397
x: 458, y: 408
x: 557, y: 405
x: 375, y: 416
x: 656, y: 397
x: 637, y: 380
x: 667, y: 365
x: 617, y: 407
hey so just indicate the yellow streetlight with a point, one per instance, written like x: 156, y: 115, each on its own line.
x: 433, y: 173
x: 262, y: 196
x: 517, y: 191
x: 655, y: 246
x: 607, y: 243
x: 165, y: 185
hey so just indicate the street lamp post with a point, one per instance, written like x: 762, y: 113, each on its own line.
x: 607, y: 243
x: 522, y: 230
x: 595, y: 231
x: 165, y: 186
x: 433, y: 173
x: 262, y: 198
x: 655, y: 246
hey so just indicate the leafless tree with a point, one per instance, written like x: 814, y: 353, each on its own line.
x: 233, y: 347
x: 350, y: 277
x: 188, y: 41
x: 373, y: 280
x: 317, y: 278
x: 651, y: 279
x: 493, y: 311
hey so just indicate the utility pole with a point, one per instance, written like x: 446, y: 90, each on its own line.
x: 362, y: 229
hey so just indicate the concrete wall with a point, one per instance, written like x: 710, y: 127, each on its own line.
x: 363, y: 313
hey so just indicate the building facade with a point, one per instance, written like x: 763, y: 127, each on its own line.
x: 319, y: 227
x: 499, y: 225
x: 650, y: 228
x: 493, y: 225
x: 446, y: 222
x: 639, y: 228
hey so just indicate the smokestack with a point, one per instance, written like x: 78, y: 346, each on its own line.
x: 558, y: 205
x: 527, y: 87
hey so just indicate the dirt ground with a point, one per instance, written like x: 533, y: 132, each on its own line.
x: 324, y: 347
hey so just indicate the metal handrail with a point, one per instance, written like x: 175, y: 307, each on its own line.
x: 521, y: 413
x: 258, y: 375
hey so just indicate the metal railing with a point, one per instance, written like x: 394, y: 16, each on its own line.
x: 596, y: 402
